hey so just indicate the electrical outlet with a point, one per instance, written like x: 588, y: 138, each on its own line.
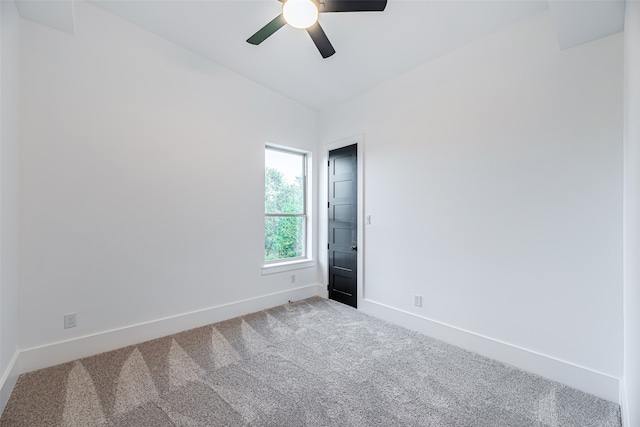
x: 417, y: 300
x: 293, y: 278
x: 70, y: 320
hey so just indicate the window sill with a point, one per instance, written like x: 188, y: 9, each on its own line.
x: 287, y: 266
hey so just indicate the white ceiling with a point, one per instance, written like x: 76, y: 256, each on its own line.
x: 55, y: 14
x: 578, y: 22
x: 370, y: 47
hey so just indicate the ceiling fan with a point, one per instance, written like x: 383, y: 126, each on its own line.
x: 304, y: 14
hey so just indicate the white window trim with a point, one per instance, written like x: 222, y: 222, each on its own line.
x: 280, y: 266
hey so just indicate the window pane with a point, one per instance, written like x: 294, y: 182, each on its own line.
x: 283, y: 238
x: 284, y: 182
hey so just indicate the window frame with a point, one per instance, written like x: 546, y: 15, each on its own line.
x: 304, y: 261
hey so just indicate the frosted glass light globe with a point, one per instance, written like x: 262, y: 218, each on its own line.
x: 300, y: 13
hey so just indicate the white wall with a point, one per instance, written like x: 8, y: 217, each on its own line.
x: 631, y: 405
x: 492, y: 174
x: 9, y: 159
x: 142, y: 186
x: 493, y: 177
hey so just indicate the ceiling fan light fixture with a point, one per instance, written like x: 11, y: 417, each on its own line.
x: 300, y: 13
x: 304, y: 14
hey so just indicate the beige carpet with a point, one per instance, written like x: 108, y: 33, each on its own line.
x: 311, y: 363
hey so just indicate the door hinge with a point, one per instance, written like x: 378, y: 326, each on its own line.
x: 328, y: 205
x: 327, y: 246
x: 328, y: 287
x: 329, y: 163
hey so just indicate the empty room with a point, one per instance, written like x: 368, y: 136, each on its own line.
x: 320, y: 213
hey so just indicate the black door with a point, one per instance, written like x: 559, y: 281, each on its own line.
x: 343, y: 224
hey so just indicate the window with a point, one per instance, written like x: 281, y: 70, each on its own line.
x: 285, y: 202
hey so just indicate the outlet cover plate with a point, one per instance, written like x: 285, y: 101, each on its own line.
x: 70, y: 320
x: 417, y: 300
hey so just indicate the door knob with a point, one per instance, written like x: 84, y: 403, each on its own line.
x: 354, y: 248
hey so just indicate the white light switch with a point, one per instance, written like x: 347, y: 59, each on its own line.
x: 367, y: 219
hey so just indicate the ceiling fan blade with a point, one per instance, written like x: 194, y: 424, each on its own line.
x: 351, y: 5
x: 321, y: 40
x: 263, y: 33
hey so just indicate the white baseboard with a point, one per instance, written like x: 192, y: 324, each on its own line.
x: 323, y: 291
x: 624, y: 405
x: 66, y: 351
x: 8, y: 381
x: 581, y: 378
